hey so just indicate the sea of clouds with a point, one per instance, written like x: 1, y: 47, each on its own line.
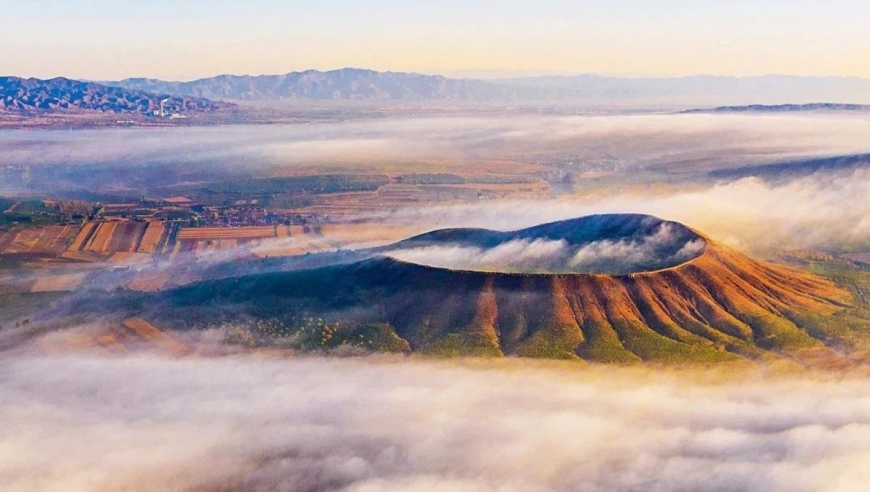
x: 89, y: 422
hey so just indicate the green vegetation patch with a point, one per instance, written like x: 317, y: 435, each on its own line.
x: 14, y: 306
x: 461, y: 345
x: 316, y: 334
x: 849, y: 328
x: 552, y: 341
x: 26, y: 212
x: 653, y: 347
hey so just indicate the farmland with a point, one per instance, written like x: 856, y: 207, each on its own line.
x: 58, y: 283
x: 168, y: 236
x: 47, y: 240
x: 115, y: 240
x: 152, y: 238
x: 201, y: 233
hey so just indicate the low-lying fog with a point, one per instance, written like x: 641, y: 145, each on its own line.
x: 248, y: 422
x: 825, y: 209
x: 662, y: 247
x: 119, y: 159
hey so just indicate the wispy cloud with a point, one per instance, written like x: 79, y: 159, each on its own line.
x: 519, y: 255
x: 144, y: 422
x: 662, y: 248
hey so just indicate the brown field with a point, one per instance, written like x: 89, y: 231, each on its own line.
x: 99, y: 242
x: 83, y: 236
x: 201, y: 246
x: 121, y: 337
x: 89, y: 256
x: 202, y: 240
x: 58, y: 283
x: 205, y: 233
x: 368, y: 233
x: 142, y: 330
x: 151, y: 238
x: 48, y: 240
x: 129, y: 258
x: 127, y: 236
x: 96, y: 240
x: 150, y: 282
x: 6, y: 239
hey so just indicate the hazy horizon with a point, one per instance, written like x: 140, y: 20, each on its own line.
x: 472, y: 74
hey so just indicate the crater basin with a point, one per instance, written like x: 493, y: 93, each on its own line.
x: 609, y: 244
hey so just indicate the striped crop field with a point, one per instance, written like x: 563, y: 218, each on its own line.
x: 100, y: 240
x: 126, y: 237
x: 152, y: 238
x: 83, y: 237
x: 205, y: 233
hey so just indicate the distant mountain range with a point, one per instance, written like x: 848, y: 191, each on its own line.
x: 368, y: 85
x: 35, y: 96
x: 143, y: 96
x: 343, y: 84
x: 783, y: 108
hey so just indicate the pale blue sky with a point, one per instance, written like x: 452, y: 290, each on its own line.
x: 101, y: 39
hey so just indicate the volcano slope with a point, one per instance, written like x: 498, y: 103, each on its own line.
x: 609, y: 288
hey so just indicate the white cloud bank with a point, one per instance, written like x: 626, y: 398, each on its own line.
x: 642, y: 139
x: 142, y: 422
x: 518, y: 255
x: 829, y: 210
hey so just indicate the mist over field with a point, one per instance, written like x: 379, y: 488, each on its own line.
x: 679, y: 151
x: 84, y: 421
x: 682, y: 143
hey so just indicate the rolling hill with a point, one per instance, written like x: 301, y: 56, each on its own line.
x: 61, y: 95
x: 607, y: 288
x: 783, y: 108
